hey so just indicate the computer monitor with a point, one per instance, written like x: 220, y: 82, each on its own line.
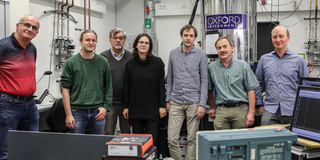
x: 306, y: 114
x: 310, y: 81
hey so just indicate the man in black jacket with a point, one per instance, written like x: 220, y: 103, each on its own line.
x: 117, y: 57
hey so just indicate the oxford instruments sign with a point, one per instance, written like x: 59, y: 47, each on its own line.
x: 226, y: 21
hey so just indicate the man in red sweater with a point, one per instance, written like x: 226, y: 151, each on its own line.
x: 18, y: 83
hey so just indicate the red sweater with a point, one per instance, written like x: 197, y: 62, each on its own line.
x: 17, y: 67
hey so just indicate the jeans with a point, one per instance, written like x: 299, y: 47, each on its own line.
x: 84, y: 119
x: 16, y: 115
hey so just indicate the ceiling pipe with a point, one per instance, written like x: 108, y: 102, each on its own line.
x: 59, y: 18
x: 84, y: 14
x: 89, y: 11
x: 68, y: 19
x: 62, y: 18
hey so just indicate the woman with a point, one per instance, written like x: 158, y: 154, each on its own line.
x: 145, y: 90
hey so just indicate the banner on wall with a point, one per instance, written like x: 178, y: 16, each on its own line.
x: 226, y: 21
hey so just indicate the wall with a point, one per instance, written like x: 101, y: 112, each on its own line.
x: 102, y: 23
x: 129, y: 15
x: 168, y: 29
x: 293, y: 20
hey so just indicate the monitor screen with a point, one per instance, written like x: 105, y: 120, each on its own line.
x: 306, y: 115
x: 310, y: 81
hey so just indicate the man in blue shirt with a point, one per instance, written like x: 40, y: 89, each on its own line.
x: 279, y: 73
x: 187, y: 89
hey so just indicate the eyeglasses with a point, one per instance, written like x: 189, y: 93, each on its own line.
x: 145, y: 43
x: 116, y: 38
x: 35, y: 28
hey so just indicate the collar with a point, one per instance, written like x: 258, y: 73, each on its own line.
x: 16, y: 43
x: 146, y: 61
x: 288, y: 52
x: 193, y: 50
x: 230, y: 64
x: 115, y: 55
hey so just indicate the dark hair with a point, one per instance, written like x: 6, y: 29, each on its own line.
x: 228, y: 39
x: 135, y: 49
x: 88, y: 31
x: 188, y: 27
x: 115, y: 31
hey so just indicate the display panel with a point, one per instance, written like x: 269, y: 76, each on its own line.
x: 306, y: 115
x: 310, y: 81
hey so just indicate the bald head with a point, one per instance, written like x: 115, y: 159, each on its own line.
x: 279, y: 27
x: 26, y: 29
x: 280, y: 37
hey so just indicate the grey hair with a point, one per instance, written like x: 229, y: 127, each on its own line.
x: 115, y: 31
x: 22, y: 17
x: 228, y: 39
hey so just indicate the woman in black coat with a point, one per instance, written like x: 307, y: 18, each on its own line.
x: 144, y: 90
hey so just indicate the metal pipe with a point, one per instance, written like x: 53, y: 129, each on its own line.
x: 62, y: 18
x: 84, y: 14
x: 316, y: 21
x: 89, y: 11
x: 59, y: 19
x: 68, y: 19
x: 310, y: 23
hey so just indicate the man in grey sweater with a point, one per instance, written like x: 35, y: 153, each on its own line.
x: 117, y: 57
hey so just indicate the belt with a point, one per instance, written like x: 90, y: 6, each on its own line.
x: 232, y: 104
x: 24, y: 98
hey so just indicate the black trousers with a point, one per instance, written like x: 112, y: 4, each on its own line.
x: 146, y: 127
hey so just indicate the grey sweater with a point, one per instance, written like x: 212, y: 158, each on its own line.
x: 117, y: 71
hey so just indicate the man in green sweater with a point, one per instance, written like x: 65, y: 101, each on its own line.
x: 86, y: 88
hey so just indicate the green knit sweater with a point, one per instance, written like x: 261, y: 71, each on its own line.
x: 89, y: 82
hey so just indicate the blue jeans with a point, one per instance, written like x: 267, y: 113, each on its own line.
x: 16, y: 115
x: 84, y: 119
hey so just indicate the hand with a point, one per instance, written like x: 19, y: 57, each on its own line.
x: 250, y: 119
x: 212, y: 113
x: 102, y: 113
x: 70, y: 122
x: 260, y: 110
x: 201, y: 111
x: 162, y: 112
x: 126, y: 113
x: 168, y: 107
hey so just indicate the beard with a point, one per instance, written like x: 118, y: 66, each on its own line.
x: 118, y: 46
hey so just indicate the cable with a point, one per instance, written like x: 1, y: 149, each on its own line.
x: 278, y: 10
x: 281, y: 4
x: 5, y: 18
x: 52, y: 45
x: 270, y: 19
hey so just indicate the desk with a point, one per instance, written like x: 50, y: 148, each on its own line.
x: 305, y: 152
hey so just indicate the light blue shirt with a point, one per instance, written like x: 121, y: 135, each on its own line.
x: 187, y: 78
x: 279, y: 78
x: 232, y: 83
x: 116, y: 56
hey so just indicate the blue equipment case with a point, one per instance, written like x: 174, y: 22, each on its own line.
x: 246, y: 144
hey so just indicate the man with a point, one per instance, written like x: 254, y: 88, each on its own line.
x: 234, y: 83
x: 117, y: 57
x: 279, y: 74
x: 18, y: 81
x: 187, y: 84
x: 87, y: 88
